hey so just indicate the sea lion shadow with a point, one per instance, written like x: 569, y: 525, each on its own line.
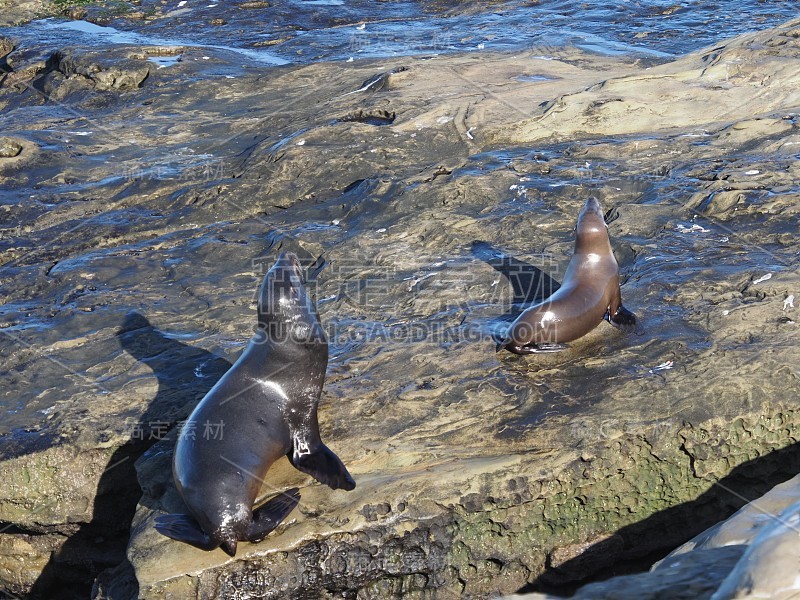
x: 185, y: 374
x: 529, y: 283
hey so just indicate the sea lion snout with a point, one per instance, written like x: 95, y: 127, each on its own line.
x: 594, y: 205
x: 282, y: 299
x: 289, y: 260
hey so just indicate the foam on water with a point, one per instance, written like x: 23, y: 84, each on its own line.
x: 112, y: 36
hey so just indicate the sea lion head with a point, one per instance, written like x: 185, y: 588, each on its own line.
x: 285, y: 312
x: 592, y: 231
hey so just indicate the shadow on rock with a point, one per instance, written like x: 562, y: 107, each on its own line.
x: 636, y: 547
x: 529, y: 283
x: 185, y: 374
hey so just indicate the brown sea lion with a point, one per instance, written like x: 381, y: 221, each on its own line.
x: 589, y: 293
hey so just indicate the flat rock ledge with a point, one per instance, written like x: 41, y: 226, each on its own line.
x: 472, y: 527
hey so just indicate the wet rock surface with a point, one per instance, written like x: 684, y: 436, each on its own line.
x: 428, y: 212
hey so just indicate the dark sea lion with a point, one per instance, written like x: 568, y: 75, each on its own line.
x: 589, y: 293
x: 263, y: 408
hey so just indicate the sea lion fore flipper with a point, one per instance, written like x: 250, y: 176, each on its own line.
x: 184, y: 529
x: 270, y: 514
x: 622, y: 319
x: 323, y: 465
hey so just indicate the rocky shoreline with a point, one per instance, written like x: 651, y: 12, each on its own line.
x: 142, y: 205
x: 752, y: 554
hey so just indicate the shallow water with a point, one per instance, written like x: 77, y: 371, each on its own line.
x: 316, y: 31
x: 303, y: 31
x: 655, y: 263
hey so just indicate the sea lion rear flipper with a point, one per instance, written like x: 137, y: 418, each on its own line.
x: 523, y: 349
x: 542, y: 348
x: 324, y: 466
x: 184, y: 529
x: 270, y: 514
x: 623, y: 319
